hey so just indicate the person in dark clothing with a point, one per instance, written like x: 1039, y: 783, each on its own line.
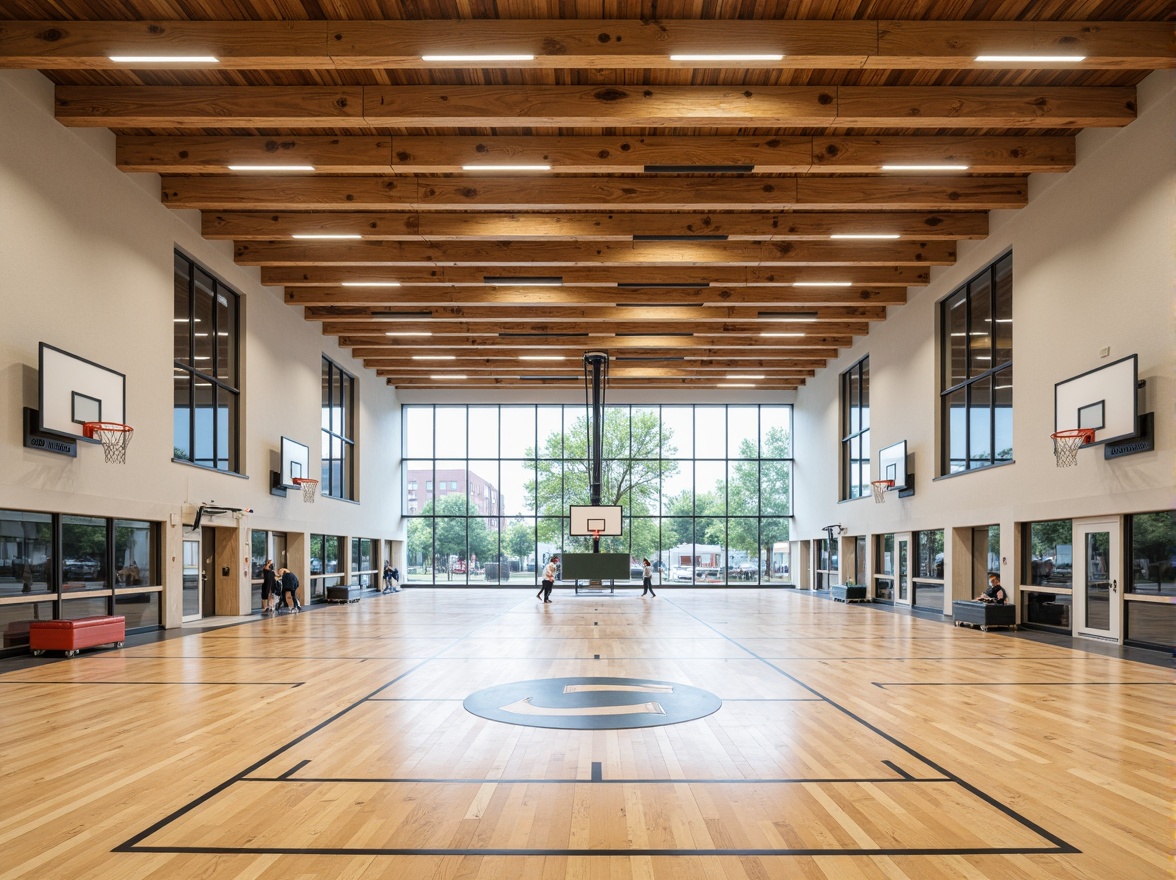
x: 550, y: 572
x: 994, y: 593
x: 289, y: 585
x: 269, y: 588
x: 647, y: 578
x: 391, y: 578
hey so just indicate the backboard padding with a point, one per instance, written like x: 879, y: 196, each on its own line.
x: 74, y: 390
x: 587, y: 519
x: 1104, y: 399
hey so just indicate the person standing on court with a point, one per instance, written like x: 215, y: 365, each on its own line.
x: 647, y: 578
x: 387, y: 576
x: 549, y: 571
x: 289, y: 585
x: 269, y: 588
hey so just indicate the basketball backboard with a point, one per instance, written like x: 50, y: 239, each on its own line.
x: 295, y: 462
x: 587, y: 520
x: 1104, y: 399
x: 74, y: 391
x: 892, y: 464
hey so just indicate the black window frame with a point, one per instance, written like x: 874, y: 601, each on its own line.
x: 185, y: 364
x: 338, y: 380
x: 969, y: 294
x: 851, y: 402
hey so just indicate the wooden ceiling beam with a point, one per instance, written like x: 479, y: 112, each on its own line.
x: 581, y: 226
x: 577, y: 297
x: 362, y: 154
x: 576, y: 314
x: 575, y: 380
x: 615, y: 371
x: 569, y: 106
x: 810, y: 345
x: 555, y: 43
x: 307, y: 192
x: 398, y: 349
x: 641, y: 326
x: 494, y: 256
x: 604, y: 276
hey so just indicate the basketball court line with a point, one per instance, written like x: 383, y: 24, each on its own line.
x: 1056, y: 844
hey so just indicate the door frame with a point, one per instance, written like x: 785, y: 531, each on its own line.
x: 1113, y: 526
x: 902, y: 569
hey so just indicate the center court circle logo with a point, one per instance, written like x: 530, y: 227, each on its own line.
x: 583, y: 703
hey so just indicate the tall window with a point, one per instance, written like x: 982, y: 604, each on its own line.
x: 855, y: 430
x: 706, y: 490
x: 207, y: 392
x: 976, y: 330
x: 338, y: 432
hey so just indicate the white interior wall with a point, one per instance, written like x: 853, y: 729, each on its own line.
x: 1093, y: 267
x: 86, y: 252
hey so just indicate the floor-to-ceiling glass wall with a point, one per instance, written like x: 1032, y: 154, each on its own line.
x: 706, y: 490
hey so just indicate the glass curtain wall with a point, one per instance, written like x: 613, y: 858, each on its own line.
x: 706, y: 490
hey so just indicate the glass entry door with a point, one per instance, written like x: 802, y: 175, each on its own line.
x: 191, y: 580
x: 1097, y: 598
x: 902, y: 572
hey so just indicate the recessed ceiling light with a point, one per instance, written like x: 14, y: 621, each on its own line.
x: 371, y: 283
x: 542, y: 357
x: 889, y: 236
x: 464, y: 58
x: 1032, y: 59
x: 728, y: 56
x: 735, y: 385
x: 758, y: 376
x: 185, y: 320
x: 505, y: 167
x: 271, y: 168
x: 444, y: 376
x: 326, y: 235
x: 434, y: 357
x: 164, y: 59
x: 407, y: 333
x: 926, y: 167
x: 787, y: 335
x: 208, y: 357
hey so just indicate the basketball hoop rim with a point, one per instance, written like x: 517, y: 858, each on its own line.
x: 1085, y: 434
x: 888, y: 484
x: 298, y: 481
x: 89, y: 429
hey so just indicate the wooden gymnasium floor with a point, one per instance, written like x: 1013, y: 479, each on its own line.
x: 851, y: 743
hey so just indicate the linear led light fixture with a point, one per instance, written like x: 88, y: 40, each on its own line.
x: 434, y: 357
x: 679, y: 238
x: 660, y: 305
x: 925, y: 167
x: 699, y: 169
x: 505, y: 167
x: 692, y: 285
x: 735, y: 385
x: 630, y: 357
x: 407, y: 315
x: 277, y: 168
x: 164, y: 59
x: 822, y: 284
x: 751, y: 376
x: 653, y: 333
x: 853, y: 236
x: 1032, y: 59
x: 491, y: 57
x: 407, y: 333
x: 784, y: 335
x: 540, y: 335
x: 549, y: 378
x: 371, y: 283
x: 523, y: 280
x: 445, y: 376
x: 788, y: 316
x: 326, y: 236
x: 728, y: 56
x: 542, y: 357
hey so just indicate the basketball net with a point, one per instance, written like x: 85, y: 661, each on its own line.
x: 115, y: 439
x: 1067, y: 444
x: 308, y: 487
x: 880, y: 487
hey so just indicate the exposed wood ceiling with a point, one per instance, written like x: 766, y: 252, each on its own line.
x: 687, y: 221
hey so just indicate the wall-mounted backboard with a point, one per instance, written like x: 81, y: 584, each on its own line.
x: 295, y: 462
x: 1104, y: 399
x: 586, y: 519
x: 74, y: 391
x: 892, y: 464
